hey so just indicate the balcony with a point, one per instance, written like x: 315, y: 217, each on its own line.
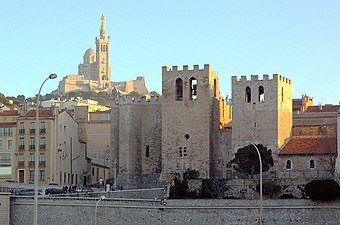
x: 21, y: 131
x: 31, y: 163
x: 5, y: 161
x: 32, y: 147
x: 32, y: 131
x: 42, y: 146
x: 42, y: 163
x: 21, y: 164
x: 42, y: 130
x: 21, y: 147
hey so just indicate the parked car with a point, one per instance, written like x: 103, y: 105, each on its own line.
x: 27, y: 192
x: 84, y: 190
x: 53, y: 191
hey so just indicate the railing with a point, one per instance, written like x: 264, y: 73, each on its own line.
x: 21, y: 147
x: 32, y: 147
x: 5, y: 161
x: 42, y: 163
x: 21, y: 163
x: 42, y: 130
x: 31, y: 163
x: 42, y: 146
x: 21, y: 131
x: 32, y: 131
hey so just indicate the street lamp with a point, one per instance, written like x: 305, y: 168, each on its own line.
x: 36, y: 168
x: 95, y: 209
x: 258, y: 152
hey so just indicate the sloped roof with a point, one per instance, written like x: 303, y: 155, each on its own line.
x: 42, y: 113
x: 323, y: 108
x: 309, y: 146
x: 9, y: 113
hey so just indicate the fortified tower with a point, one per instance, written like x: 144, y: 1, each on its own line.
x: 262, y: 111
x: 187, y: 119
x: 103, y: 68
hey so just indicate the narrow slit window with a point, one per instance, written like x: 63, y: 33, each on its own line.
x: 147, y: 151
x: 179, y: 89
x: 261, y: 94
x: 248, y: 95
x: 312, y: 164
x: 193, y: 89
x: 289, y: 165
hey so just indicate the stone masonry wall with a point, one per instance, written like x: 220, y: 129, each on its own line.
x: 195, y: 212
x: 186, y: 123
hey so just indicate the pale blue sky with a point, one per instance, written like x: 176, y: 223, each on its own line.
x: 297, y: 39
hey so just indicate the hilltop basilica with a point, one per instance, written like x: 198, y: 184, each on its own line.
x: 94, y: 74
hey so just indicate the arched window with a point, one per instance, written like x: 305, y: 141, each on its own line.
x: 261, y: 94
x: 193, y: 89
x: 179, y: 89
x: 248, y: 95
x: 147, y: 151
x: 311, y: 164
x: 289, y: 165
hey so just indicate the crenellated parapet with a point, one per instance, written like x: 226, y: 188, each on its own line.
x: 197, y: 68
x: 255, y: 78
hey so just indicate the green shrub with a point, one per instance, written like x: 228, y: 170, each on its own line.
x: 269, y: 188
x: 324, y: 190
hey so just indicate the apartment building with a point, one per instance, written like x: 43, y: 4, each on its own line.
x: 61, y: 156
x: 7, y: 141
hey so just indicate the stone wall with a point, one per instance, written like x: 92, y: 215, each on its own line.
x: 4, y: 208
x: 82, y: 211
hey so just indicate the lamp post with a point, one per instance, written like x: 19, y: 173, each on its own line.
x: 95, y: 209
x: 36, y: 168
x: 261, y: 203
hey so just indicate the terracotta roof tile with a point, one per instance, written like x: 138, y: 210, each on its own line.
x: 9, y: 113
x: 309, y: 146
x: 42, y: 113
x: 323, y: 108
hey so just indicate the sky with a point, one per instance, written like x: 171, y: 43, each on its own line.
x: 297, y: 39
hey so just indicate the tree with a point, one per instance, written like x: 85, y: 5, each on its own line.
x: 213, y: 188
x: 246, y: 160
x: 191, y: 174
x: 324, y: 190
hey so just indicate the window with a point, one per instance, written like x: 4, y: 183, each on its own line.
x: 4, y: 119
x: 147, y: 151
x: 31, y: 175
x: 179, y: 89
x: 42, y: 159
x: 311, y: 164
x: 42, y: 127
x: 32, y: 143
x: 21, y: 160
x: 92, y: 171
x: 32, y: 159
x: 42, y: 175
x: 14, y: 119
x: 21, y: 128
x: 261, y: 94
x: 248, y: 95
x: 42, y: 143
x: 21, y: 143
x: 10, y: 144
x: 215, y: 87
x: 289, y: 165
x: 32, y: 127
x: 0, y: 144
x: 281, y: 93
x: 64, y: 178
x: 5, y: 158
x: 193, y: 88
